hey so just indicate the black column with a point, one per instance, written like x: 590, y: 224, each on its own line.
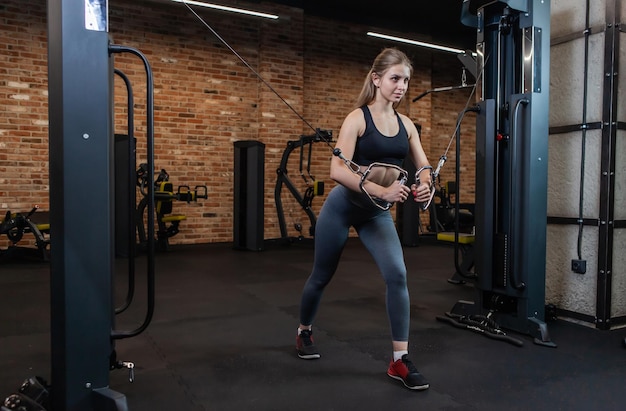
x: 249, y: 180
x: 408, y: 214
x: 81, y: 203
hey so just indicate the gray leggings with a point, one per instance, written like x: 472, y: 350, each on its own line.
x: 378, y: 233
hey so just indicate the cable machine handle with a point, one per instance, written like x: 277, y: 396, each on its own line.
x: 117, y: 334
x: 131, y: 195
x: 513, y: 182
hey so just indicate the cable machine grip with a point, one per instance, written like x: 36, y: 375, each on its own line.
x: 150, y: 269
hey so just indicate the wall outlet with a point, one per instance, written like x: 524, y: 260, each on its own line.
x: 579, y: 266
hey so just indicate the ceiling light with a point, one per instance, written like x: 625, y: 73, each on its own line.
x: 230, y: 9
x: 416, y: 43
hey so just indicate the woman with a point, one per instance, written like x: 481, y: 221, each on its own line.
x: 373, y: 132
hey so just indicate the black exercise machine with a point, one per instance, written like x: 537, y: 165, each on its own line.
x: 513, y: 49
x: 464, y: 59
x: 314, y: 187
x: 79, y: 265
x: 164, y: 195
x: 453, y: 221
x: 443, y: 214
x: 16, y: 225
x: 81, y: 269
x: 463, y: 217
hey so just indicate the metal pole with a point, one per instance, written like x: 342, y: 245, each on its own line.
x: 81, y: 140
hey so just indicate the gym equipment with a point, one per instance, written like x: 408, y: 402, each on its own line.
x: 444, y: 207
x: 462, y: 237
x: 314, y: 186
x: 449, y: 88
x: 164, y: 196
x: 457, y: 220
x: 434, y: 175
x: 15, y: 225
x: 249, y: 193
x: 443, y: 214
x: 463, y: 247
x: 33, y: 395
x: 454, y: 222
x: 513, y: 45
x: 125, y: 187
x: 81, y: 127
x: 408, y: 219
x: 398, y: 172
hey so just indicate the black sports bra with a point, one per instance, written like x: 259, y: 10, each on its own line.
x: 373, y: 146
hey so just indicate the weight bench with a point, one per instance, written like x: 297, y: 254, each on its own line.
x: 463, y: 269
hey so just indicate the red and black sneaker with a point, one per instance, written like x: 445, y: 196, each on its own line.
x: 305, y: 347
x: 404, y: 370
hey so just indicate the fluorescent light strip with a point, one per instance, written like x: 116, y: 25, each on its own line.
x: 230, y: 9
x: 416, y: 43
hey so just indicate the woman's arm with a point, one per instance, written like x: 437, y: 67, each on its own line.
x: 353, y: 126
x: 418, y: 156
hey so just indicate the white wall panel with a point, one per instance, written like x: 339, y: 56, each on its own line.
x: 618, y: 294
x: 564, y: 160
x: 567, y: 75
x: 566, y: 79
x: 567, y: 16
x: 621, y: 75
x: 597, y: 12
x: 564, y: 288
x: 620, y: 176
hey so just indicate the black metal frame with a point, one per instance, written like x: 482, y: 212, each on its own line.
x: 283, y: 179
x: 607, y: 166
x: 511, y: 168
x: 80, y: 72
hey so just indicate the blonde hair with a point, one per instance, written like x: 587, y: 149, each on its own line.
x: 387, y: 58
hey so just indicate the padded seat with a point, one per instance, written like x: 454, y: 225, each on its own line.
x: 173, y: 217
x: 464, y: 238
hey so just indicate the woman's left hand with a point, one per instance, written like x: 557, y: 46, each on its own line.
x: 421, y: 194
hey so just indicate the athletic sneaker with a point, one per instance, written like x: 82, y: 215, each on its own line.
x: 304, y: 345
x: 404, y: 370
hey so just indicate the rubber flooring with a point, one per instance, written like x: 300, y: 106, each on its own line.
x: 223, y: 333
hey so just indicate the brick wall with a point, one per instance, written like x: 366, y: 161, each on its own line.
x: 206, y: 99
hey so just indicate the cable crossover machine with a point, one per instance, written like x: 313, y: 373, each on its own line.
x: 513, y: 46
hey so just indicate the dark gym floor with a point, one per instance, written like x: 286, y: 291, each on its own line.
x: 223, y: 337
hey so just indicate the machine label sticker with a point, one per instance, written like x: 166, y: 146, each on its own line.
x: 96, y: 12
